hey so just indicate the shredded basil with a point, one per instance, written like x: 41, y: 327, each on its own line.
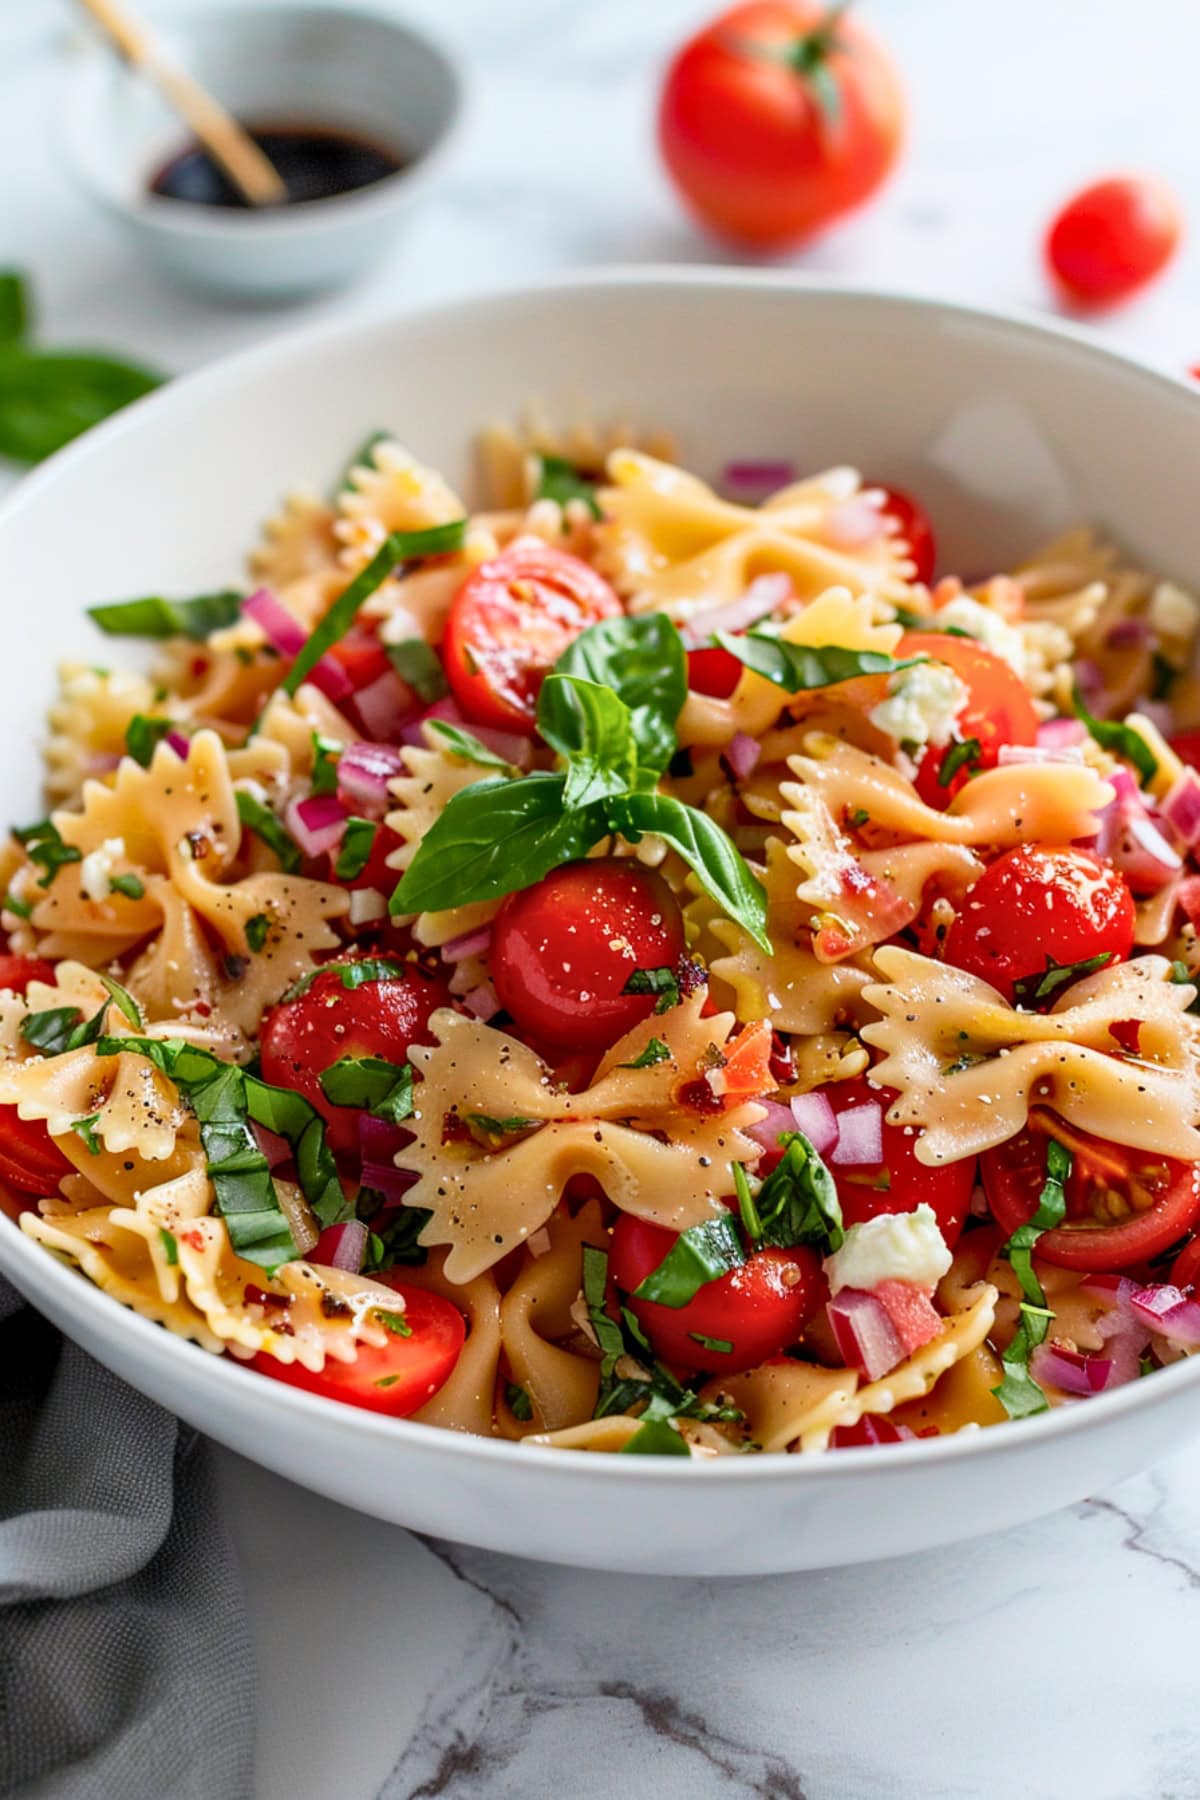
x: 258, y: 929
x: 44, y: 846
x: 798, y: 668
x: 662, y: 982
x: 170, y: 1246
x: 143, y: 735
x: 797, y: 1203
x: 656, y: 1435
x: 64, y: 1028
x: 701, y: 1254
x: 397, y: 1241
x: 518, y: 1402
x: 363, y: 458
x: 751, y: 1222
x: 720, y: 1346
x: 1019, y: 1394
x: 351, y: 974
x: 326, y: 753
x: 400, y: 547
x: 131, y: 886
x: 394, y: 1322
x: 87, y: 1131
x: 358, y: 841
x: 419, y: 664
x: 155, y: 617
x: 1036, y: 990
x: 262, y: 822
x: 562, y: 481
x: 1121, y: 740
x: 493, y: 1127
x: 963, y: 755
x: 372, y: 1084
x: 21, y: 908
x: 470, y: 748
x: 654, y: 1053
x: 858, y: 818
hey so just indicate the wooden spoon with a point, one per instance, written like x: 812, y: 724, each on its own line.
x: 252, y: 173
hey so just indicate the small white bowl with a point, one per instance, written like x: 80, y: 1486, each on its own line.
x: 288, y: 63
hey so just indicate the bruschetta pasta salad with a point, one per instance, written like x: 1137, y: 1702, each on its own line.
x: 641, y: 968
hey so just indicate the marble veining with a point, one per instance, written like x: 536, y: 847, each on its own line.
x: 1057, y: 1661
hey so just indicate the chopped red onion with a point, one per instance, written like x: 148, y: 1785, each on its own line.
x: 1057, y: 734
x: 341, y: 1246
x: 483, y: 1001
x: 328, y: 675
x: 1125, y: 1336
x: 317, y: 824
x: 363, y: 773
x: 446, y: 709
x: 753, y: 481
x: 765, y: 594
x: 282, y: 629
x: 1188, y: 896
x: 471, y: 943
x: 386, y: 1179
x: 384, y: 706
x: 176, y: 741
x: 742, y: 754
x: 1129, y: 634
x: 379, y: 1140
x: 770, y: 1129
x: 1013, y: 755
x: 860, y: 1137
x: 814, y: 1116
x: 1181, y: 807
x: 915, y: 1319
x: 865, y: 1336
x: 276, y: 1149
x: 1143, y: 854
x: 1071, y: 1371
x: 1090, y: 677
x: 1164, y: 1309
x: 852, y: 523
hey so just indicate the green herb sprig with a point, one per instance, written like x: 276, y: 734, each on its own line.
x: 1018, y: 1393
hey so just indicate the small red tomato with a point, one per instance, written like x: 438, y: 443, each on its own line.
x: 1112, y: 238
x: 914, y: 527
x: 362, y: 656
x: 713, y: 671
x: 30, y: 1160
x: 1036, y: 908
x: 301, y: 1038
x: 16, y: 972
x: 511, y: 620
x: 998, y: 710
x: 777, y: 118
x: 1186, y: 745
x: 564, y: 950
x: 400, y: 1376
x: 758, y: 1310
x: 898, y: 1183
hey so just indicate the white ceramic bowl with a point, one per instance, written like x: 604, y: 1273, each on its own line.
x: 285, y: 62
x: 1007, y: 430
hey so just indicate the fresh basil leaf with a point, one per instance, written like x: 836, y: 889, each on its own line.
x: 87, y: 1131
x: 468, y: 746
x: 1019, y: 1394
x: 326, y: 754
x: 1033, y: 991
x: 400, y: 547
x: 419, y: 664
x: 561, y: 481
x: 21, y: 908
x: 155, y: 617
x: 595, y: 1292
x: 752, y: 1224
x: 963, y: 755
x: 170, y: 1245
x: 518, y: 1402
x: 664, y: 983
x: 397, y: 1241
x: 721, y: 1346
x: 370, y: 1083
x: 244, y: 1191
x: 186, y: 1064
x: 394, y: 1322
x: 592, y: 728
x: 654, y: 1053
x: 48, y: 397
x: 1120, y: 740
x: 258, y: 929
x: 656, y: 1437
x: 798, y: 1202
x: 44, y: 846
x: 318, y: 1176
x: 123, y: 1001
x: 63, y: 1028
x: 262, y: 822
x: 492, y: 839
x: 15, y: 311
x: 351, y: 974
x: 701, y: 1254
x: 798, y: 668
x: 363, y: 458
x: 642, y: 660
x: 705, y: 848
x: 143, y: 735
x: 358, y: 841
x: 131, y: 886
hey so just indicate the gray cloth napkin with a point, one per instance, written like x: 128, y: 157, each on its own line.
x: 125, y: 1663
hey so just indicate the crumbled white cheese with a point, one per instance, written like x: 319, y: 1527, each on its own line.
x: 95, y: 871
x: 890, y: 1247
x: 922, y: 705
x: 1174, y: 611
x: 986, y: 626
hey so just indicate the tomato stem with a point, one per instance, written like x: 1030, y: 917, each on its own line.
x: 808, y: 56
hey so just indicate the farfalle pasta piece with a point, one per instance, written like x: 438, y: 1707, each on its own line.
x: 671, y: 545
x: 509, y: 457
x: 297, y: 543
x: 434, y: 776
x: 131, y: 1107
x: 390, y: 491
x: 466, y: 1401
x: 536, y: 1317
x: 967, y: 1066
x: 657, y: 1158
x: 790, y: 987
x: 88, y: 721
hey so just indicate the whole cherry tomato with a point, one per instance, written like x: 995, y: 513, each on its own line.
x: 779, y: 117
x: 563, y: 951
x: 1036, y: 908
x: 511, y: 620
x: 1112, y: 238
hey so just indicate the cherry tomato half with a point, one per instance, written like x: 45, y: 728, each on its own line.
x: 998, y: 709
x: 713, y: 671
x: 899, y: 1183
x: 758, y: 1309
x: 1123, y: 1205
x: 777, y: 118
x: 1186, y: 745
x: 302, y: 1037
x: 30, y: 1160
x: 511, y: 621
x: 400, y: 1376
x: 564, y: 949
x: 914, y: 528
x: 1112, y: 238
x: 1185, y: 1270
x: 1035, y: 907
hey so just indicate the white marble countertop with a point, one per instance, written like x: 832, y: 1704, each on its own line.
x: 1056, y: 1660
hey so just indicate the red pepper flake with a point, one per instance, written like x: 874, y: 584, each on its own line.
x: 256, y: 1296
x: 455, y: 1130
x: 698, y: 1097
x: 1127, y: 1033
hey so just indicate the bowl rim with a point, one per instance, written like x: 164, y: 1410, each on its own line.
x: 34, y: 1269
x: 76, y: 62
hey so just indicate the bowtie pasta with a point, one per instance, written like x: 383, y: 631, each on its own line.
x: 639, y: 967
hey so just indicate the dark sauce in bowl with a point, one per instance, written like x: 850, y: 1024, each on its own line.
x: 316, y: 163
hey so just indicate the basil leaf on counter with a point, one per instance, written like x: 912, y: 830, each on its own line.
x: 49, y: 397
x: 798, y: 668
x: 156, y: 617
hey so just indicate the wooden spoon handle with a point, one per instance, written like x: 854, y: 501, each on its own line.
x: 252, y: 173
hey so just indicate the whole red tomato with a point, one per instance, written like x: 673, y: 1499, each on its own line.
x: 778, y: 118
x: 1111, y: 239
